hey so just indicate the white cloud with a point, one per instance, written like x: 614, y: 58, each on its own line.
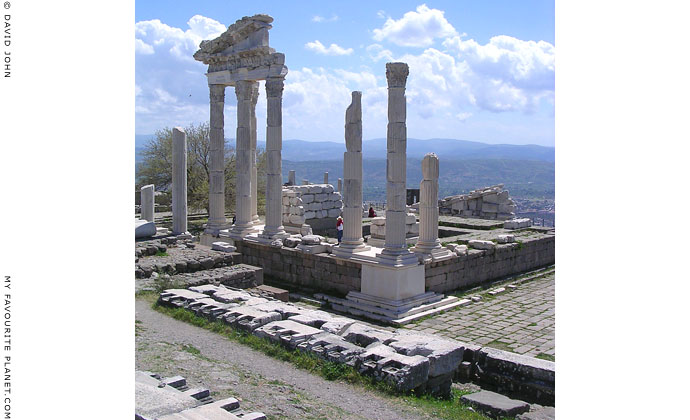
x: 171, y: 88
x: 377, y: 52
x: 140, y: 47
x: 320, y: 19
x: 416, y: 29
x: 381, y: 14
x: 523, y: 64
x: 463, y: 116
x: 333, y: 49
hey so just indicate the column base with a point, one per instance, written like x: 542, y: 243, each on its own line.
x: 238, y: 231
x: 274, y: 233
x: 348, y: 249
x: 397, y: 258
x: 256, y: 220
x: 433, y: 252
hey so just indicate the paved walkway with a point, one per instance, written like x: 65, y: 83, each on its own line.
x: 521, y: 321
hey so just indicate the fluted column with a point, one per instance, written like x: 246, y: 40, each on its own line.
x: 243, y: 206
x: 252, y: 146
x: 395, y: 249
x: 216, y: 182
x: 352, y: 187
x: 179, y: 182
x: 274, y: 144
x: 325, y: 177
x: 428, y: 245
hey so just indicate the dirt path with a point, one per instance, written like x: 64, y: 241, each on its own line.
x: 278, y: 389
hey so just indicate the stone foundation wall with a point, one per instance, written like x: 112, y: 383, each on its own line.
x: 320, y: 272
x: 482, y: 265
x: 327, y: 274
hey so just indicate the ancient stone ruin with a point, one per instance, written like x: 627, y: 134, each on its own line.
x: 487, y: 203
x: 240, y: 57
x: 316, y: 205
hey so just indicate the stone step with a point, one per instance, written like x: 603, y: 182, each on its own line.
x: 396, y: 318
x: 444, y: 308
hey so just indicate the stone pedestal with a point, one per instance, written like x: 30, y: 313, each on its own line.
x: 428, y: 245
x: 244, y: 224
x: 216, y: 182
x: 274, y: 143
x: 147, y: 202
x: 392, y: 283
x: 179, y: 182
x: 395, y: 251
x: 352, y: 241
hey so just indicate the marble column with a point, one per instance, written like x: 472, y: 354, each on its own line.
x: 274, y: 144
x: 179, y: 182
x: 395, y: 250
x: 216, y: 182
x: 243, y: 186
x: 352, y: 187
x: 428, y: 245
x: 340, y: 184
x: 147, y: 202
x: 291, y: 177
x: 325, y: 177
x: 252, y: 146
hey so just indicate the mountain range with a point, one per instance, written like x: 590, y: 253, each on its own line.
x: 445, y: 149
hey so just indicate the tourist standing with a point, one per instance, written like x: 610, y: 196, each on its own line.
x: 339, y: 228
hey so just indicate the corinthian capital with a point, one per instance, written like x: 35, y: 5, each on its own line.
x: 255, y: 92
x: 243, y: 90
x: 217, y: 93
x: 274, y: 87
x: 396, y: 74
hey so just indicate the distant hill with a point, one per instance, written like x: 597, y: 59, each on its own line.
x: 526, y: 170
x: 524, y: 178
x: 301, y: 150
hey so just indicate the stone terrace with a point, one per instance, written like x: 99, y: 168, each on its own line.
x: 520, y: 321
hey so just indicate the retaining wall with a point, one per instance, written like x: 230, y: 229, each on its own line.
x: 313, y: 271
x: 479, y: 266
x: 327, y: 274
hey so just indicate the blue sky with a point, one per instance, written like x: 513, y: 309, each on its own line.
x: 480, y: 71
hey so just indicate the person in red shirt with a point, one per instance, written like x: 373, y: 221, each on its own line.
x: 339, y: 227
x: 372, y: 213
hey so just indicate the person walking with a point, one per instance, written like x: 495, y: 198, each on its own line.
x: 339, y: 228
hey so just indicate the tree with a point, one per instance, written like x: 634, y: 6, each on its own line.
x: 156, y: 167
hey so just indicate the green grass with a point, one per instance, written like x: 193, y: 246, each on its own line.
x: 545, y: 356
x: 446, y: 409
x: 191, y: 349
x: 499, y: 345
x: 161, y: 254
x: 439, y: 408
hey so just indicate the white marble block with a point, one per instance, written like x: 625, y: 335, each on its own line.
x: 148, y: 202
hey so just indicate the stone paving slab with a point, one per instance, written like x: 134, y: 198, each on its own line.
x: 520, y: 321
x: 495, y: 405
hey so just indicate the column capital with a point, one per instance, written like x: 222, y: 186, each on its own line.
x: 216, y: 93
x: 243, y: 90
x: 396, y: 74
x: 254, y: 93
x: 274, y: 87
